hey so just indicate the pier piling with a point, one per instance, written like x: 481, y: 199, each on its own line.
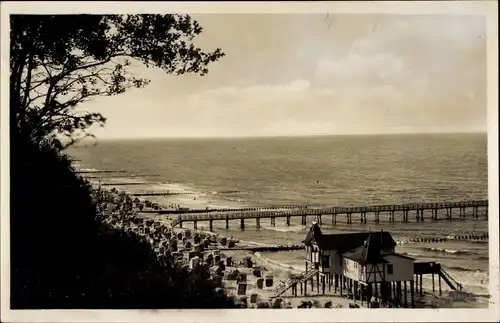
x: 211, y: 225
x: 412, y: 293
x: 303, y: 212
x: 242, y: 224
x: 257, y: 223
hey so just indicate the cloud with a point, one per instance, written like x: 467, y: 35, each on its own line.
x: 294, y: 75
x: 361, y: 69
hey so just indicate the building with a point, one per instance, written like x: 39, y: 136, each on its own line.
x: 366, y: 263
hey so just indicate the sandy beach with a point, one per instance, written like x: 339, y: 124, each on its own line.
x: 259, y: 275
x: 174, y: 195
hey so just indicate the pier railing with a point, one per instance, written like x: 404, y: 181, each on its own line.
x: 334, y: 211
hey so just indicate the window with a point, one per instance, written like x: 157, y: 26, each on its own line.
x: 325, y: 261
x: 390, y: 269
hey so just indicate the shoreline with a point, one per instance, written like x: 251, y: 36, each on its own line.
x: 256, y: 256
x: 257, y: 295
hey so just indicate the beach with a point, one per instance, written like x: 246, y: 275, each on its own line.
x: 234, y: 267
x: 256, y: 178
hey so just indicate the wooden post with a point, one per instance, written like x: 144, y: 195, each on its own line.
x: 227, y: 223
x: 422, y: 215
x: 341, y: 284
x: 288, y: 221
x: 273, y: 221
x: 406, y: 296
x: 305, y: 287
x: 421, y: 290
x: 323, y: 283
x: 433, y: 282
x: 317, y: 281
x: 301, y: 289
x: 369, y: 294
x: 318, y: 218
x: 440, y: 291
x: 399, y: 293
x: 334, y: 218
x: 180, y: 224
x: 362, y: 292
x: 211, y: 225
x: 195, y: 225
x: 412, y: 292
x: 336, y: 283
x: 304, y: 221
x: 257, y: 223
x: 242, y: 224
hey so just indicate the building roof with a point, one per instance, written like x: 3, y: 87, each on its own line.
x: 397, y: 255
x: 368, y: 253
x: 348, y: 241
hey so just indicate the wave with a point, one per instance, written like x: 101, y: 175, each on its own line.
x: 288, y: 229
x: 465, y: 269
x: 450, y: 251
x: 278, y: 265
x: 478, y: 241
x: 453, y: 252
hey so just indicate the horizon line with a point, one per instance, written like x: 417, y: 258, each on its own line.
x: 290, y: 136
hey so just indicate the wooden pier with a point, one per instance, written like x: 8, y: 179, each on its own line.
x: 403, y: 213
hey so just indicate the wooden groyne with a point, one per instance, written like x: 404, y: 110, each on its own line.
x: 225, y: 210
x: 99, y: 171
x: 128, y: 175
x: 268, y: 248
x: 122, y: 184
x: 417, y: 210
x: 466, y: 237
x: 162, y: 194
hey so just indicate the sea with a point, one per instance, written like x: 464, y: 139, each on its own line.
x: 352, y: 170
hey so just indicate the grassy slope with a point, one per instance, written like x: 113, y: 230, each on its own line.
x: 62, y: 257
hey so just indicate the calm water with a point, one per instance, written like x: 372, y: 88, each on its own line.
x: 332, y: 171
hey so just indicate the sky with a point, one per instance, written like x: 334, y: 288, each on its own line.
x: 313, y: 74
